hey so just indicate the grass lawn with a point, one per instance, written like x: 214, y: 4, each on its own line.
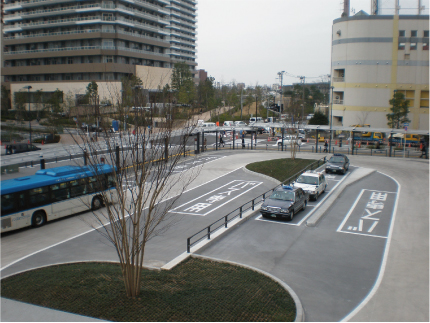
x: 280, y: 169
x: 195, y: 290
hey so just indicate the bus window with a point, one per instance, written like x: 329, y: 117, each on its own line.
x: 38, y: 196
x: 92, y: 184
x: 111, y: 180
x: 7, y: 204
x: 60, y: 192
x: 77, y: 188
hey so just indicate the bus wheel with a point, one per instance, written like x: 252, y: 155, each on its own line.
x: 97, y: 203
x: 38, y: 219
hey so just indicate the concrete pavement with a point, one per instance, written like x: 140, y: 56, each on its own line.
x: 401, y: 293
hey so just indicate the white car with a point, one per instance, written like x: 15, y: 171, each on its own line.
x: 314, y: 183
x: 240, y: 124
x: 288, y: 139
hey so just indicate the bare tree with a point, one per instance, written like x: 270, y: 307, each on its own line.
x: 148, y: 179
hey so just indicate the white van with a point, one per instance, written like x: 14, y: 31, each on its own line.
x: 228, y: 124
x: 208, y: 125
x: 255, y: 119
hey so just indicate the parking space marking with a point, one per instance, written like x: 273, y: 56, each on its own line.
x: 275, y: 221
x: 216, y: 198
x: 370, y: 214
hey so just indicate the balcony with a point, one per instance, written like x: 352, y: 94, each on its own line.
x: 46, y: 12
x: 80, y: 48
x: 144, y: 15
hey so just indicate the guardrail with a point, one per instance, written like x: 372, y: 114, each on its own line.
x: 206, y: 232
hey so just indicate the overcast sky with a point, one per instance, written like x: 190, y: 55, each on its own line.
x: 251, y: 41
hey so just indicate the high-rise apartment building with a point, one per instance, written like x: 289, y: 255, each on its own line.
x: 71, y: 41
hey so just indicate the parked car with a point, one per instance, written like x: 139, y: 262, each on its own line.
x: 228, y: 124
x: 20, y: 148
x: 288, y: 140
x: 240, y: 124
x: 284, y: 202
x: 337, y: 163
x: 313, y: 183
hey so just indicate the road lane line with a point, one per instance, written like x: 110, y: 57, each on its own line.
x: 94, y: 229
x: 384, y: 259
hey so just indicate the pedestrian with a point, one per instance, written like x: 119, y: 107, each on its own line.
x: 423, y: 150
x: 326, y: 146
x: 206, y: 142
x: 243, y: 142
x: 221, y: 141
x: 378, y: 145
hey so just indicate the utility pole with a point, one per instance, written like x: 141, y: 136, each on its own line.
x: 303, y: 107
x: 281, y: 74
x: 241, y: 107
x: 29, y: 113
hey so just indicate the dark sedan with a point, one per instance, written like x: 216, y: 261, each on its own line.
x: 284, y: 203
x: 338, y: 163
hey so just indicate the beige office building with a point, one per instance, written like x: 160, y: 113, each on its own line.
x: 373, y: 56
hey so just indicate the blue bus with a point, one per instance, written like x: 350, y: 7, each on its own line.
x: 53, y: 193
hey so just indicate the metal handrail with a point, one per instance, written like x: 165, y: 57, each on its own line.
x: 244, y: 207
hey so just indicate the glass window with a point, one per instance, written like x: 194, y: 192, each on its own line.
x: 402, y: 33
x: 402, y: 45
x: 111, y: 181
x: 413, y: 46
x: 38, y: 196
x: 7, y: 204
x: 413, y: 33
x: 78, y: 188
x: 60, y: 192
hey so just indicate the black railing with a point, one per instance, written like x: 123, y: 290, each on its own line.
x: 206, y: 232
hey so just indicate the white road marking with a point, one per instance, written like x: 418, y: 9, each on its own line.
x: 384, y: 259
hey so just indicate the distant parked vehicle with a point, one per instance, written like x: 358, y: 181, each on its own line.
x: 228, y: 124
x: 239, y: 124
x: 255, y: 119
x: 20, y: 148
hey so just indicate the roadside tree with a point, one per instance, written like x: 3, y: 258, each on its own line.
x: 147, y: 181
x: 399, y: 111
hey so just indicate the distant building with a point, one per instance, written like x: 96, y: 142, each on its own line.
x: 373, y: 56
x: 202, y: 75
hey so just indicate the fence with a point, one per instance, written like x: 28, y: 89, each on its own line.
x: 225, y: 220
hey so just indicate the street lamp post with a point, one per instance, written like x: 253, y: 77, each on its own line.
x: 281, y: 74
x: 331, y: 119
x: 29, y: 117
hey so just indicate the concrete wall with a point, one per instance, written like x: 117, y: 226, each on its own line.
x: 154, y: 77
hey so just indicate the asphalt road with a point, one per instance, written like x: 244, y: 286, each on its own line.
x: 353, y: 265
x: 332, y: 266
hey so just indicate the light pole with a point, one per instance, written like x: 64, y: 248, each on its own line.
x: 281, y: 75
x: 29, y: 117
x: 331, y: 118
x: 303, y: 107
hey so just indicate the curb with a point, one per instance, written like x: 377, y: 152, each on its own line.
x: 214, y: 237
x: 300, y: 315
x: 357, y: 175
